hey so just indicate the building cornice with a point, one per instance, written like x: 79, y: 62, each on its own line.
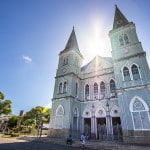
x: 128, y: 57
x: 133, y: 88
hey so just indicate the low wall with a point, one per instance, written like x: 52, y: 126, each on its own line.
x: 58, y: 133
x: 137, y: 137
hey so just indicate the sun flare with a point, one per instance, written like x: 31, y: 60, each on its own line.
x: 97, y: 42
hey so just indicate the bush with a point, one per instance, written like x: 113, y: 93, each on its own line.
x: 25, y: 131
x: 7, y: 133
x: 14, y: 134
x: 16, y: 129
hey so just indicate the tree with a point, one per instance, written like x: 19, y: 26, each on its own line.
x: 12, y: 122
x: 5, y: 105
x: 36, y: 116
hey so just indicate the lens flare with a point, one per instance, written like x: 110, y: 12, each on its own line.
x: 97, y: 41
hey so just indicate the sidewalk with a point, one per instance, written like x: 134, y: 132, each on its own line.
x: 90, y: 144
x: 96, y: 144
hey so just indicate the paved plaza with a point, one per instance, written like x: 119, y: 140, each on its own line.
x: 45, y: 143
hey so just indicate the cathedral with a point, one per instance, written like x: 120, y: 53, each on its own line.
x: 109, y: 97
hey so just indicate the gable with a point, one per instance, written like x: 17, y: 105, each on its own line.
x: 98, y: 63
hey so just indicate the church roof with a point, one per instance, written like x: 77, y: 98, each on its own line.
x: 119, y: 19
x: 107, y: 59
x: 72, y: 43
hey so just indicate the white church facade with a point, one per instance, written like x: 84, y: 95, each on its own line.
x: 108, y: 98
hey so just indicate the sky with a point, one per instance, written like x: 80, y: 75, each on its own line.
x: 33, y: 32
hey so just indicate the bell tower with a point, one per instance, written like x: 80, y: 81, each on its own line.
x: 70, y: 59
x: 67, y: 77
x: 70, y: 62
x: 132, y: 78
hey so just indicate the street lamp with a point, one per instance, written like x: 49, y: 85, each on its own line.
x: 108, y: 121
x: 93, y: 122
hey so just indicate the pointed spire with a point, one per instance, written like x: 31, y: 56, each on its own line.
x: 119, y: 19
x: 72, y: 42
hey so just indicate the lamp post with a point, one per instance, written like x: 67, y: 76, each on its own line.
x: 109, y: 135
x: 93, y: 122
x: 108, y: 121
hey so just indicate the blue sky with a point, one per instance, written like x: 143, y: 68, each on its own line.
x: 33, y: 32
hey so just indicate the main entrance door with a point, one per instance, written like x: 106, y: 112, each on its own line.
x: 117, y: 130
x: 87, y: 127
x: 101, y: 128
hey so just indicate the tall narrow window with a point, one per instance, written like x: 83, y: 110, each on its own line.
x: 76, y: 91
x: 135, y: 72
x: 126, y: 74
x: 126, y: 39
x: 102, y: 88
x: 59, y: 117
x: 60, y: 88
x: 87, y: 91
x: 112, y: 86
x: 140, y: 114
x: 65, y: 87
x: 75, y: 113
x: 95, y: 90
x: 76, y: 62
x: 65, y: 61
x: 121, y: 40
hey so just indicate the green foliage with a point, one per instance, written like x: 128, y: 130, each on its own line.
x: 29, y: 122
x: 11, y: 134
x: 12, y: 122
x: 1, y: 96
x: 36, y: 116
x: 25, y: 131
x: 7, y: 133
x: 14, y: 134
x: 5, y: 105
x: 15, y: 129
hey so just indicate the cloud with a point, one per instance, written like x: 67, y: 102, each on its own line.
x: 27, y: 59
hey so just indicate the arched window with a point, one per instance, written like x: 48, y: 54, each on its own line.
x: 135, y: 72
x: 60, y: 88
x: 59, y: 117
x: 76, y: 90
x: 102, y: 88
x: 60, y: 111
x: 65, y: 87
x: 121, y: 40
x: 126, y: 74
x: 112, y: 86
x: 140, y: 114
x: 87, y: 91
x: 95, y: 90
x: 126, y: 39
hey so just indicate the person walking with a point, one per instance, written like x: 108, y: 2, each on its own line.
x: 83, y: 137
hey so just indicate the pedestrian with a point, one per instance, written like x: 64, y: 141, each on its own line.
x: 83, y: 137
x: 69, y: 140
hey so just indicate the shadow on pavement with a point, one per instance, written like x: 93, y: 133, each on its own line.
x: 35, y: 146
